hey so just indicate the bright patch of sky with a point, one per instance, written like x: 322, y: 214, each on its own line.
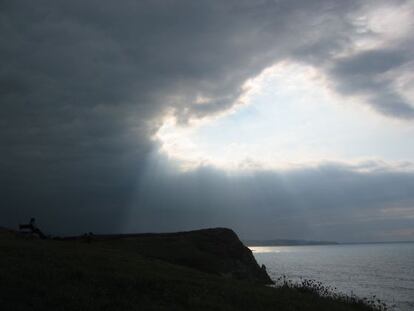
x: 290, y: 118
x: 384, y: 25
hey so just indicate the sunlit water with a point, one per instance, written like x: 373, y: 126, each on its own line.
x: 384, y: 270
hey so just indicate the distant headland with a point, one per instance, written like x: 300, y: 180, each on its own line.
x: 286, y: 242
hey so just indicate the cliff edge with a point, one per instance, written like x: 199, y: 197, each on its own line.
x: 217, y: 251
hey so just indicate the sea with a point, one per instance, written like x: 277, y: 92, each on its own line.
x: 385, y: 270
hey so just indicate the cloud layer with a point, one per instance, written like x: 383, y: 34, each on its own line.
x: 85, y: 84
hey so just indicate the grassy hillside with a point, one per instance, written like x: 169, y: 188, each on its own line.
x: 76, y: 275
x: 217, y: 251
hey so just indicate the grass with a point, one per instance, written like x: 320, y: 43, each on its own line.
x: 74, y: 275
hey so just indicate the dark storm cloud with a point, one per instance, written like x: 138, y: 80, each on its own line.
x: 362, y: 74
x: 84, y: 85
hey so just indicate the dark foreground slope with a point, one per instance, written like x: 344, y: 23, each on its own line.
x: 102, y: 275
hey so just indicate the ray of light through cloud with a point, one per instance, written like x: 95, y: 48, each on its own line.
x: 275, y: 118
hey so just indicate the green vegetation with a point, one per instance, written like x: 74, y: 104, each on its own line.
x: 76, y: 275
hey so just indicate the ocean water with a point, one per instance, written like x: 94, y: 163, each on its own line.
x: 364, y: 270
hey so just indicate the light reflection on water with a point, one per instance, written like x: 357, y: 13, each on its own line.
x: 265, y: 249
x: 281, y: 249
x: 384, y: 270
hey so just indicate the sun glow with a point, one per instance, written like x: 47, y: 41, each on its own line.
x: 289, y: 118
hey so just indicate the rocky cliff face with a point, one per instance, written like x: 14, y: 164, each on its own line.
x: 217, y: 251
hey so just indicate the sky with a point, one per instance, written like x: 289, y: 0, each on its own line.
x: 279, y: 119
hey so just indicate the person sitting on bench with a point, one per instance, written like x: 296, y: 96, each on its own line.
x: 31, y: 226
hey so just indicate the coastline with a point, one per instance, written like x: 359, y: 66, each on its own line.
x: 114, y: 274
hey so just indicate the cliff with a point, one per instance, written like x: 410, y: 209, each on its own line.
x: 217, y: 251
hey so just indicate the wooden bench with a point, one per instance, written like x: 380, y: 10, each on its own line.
x: 31, y: 228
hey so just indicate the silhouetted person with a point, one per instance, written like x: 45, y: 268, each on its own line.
x: 31, y: 226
